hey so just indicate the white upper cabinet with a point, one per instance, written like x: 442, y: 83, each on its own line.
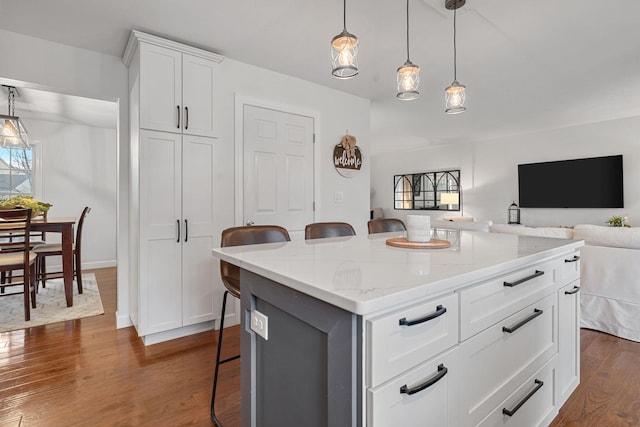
x: 176, y: 85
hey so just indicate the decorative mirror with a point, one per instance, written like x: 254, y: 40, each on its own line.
x: 428, y: 191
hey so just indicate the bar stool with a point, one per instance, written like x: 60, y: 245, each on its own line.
x: 230, y: 274
x: 319, y: 230
x: 385, y: 225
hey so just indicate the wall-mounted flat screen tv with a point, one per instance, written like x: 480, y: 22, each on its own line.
x: 594, y: 182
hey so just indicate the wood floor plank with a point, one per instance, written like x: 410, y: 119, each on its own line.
x: 85, y: 372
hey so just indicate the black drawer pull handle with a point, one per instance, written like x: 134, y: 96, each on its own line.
x: 186, y: 119
x: 536, y: 313
x: 510, y: 413
x: 518, y: 282
x: 442, y: 371
x: 178, y: 223
x: 186, y: 230
x: 572, y: 291
x: 574, y: 259
x: 440, y: 310
x: 178, y: 108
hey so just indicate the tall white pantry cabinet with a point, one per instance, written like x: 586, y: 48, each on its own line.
x: 171, y: 96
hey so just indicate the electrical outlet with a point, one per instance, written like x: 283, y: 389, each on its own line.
x: 338, y: 197
x: 260, y: 324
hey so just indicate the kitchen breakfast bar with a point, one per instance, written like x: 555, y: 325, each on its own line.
x: 350, y: 331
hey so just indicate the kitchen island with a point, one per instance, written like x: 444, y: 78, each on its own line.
x: 349, y: 331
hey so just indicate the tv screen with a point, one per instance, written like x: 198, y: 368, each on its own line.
x: 580, y: 183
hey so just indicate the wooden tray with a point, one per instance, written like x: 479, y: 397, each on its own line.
x: 402, y: 242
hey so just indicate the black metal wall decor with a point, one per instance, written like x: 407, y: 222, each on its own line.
x: 424, y: 190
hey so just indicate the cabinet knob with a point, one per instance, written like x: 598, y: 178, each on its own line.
x: 250, y: 222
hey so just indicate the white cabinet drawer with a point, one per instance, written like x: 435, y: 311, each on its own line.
x: 388, y: 406
x: 407, y: 337
x: 531, y: 405
x: 508, y: 352
x: 569, y: 268
x: 488, y: 303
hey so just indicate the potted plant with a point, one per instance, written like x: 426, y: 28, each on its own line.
x: 37, y: 208
x: 618, y: 221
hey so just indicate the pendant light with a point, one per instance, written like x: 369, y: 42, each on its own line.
x: 344, y: 51
x: 454, y: 94
x: 408, y: 75
x: 13, y: 132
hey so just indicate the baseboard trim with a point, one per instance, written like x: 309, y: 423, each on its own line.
x: 123, y: 321
x: 177, y: 333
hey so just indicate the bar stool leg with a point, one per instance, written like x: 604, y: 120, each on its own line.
x: 219, y: 362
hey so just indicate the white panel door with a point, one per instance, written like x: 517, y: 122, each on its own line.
x: 198, y: 266
x: 160, y: 248
x: 160, y: 88
x: 278, y: 168
x: 197, y: 95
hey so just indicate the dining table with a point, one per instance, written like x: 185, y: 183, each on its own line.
x: 64, y: 226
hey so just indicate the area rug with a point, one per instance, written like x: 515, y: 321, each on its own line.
x: 51, y: 305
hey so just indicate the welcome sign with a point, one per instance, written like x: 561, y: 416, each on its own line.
x: 347, y: 157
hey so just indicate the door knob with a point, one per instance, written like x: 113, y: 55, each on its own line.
x: 250, y: 222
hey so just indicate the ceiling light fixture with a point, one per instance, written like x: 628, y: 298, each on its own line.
x: 344, y: 52
x: 14, y: 133
x: 408, y: 75
x: 455, y: 93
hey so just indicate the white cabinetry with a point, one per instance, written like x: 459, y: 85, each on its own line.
x: 176, y: 91
x: 173, y: 292
x: 514, y: 362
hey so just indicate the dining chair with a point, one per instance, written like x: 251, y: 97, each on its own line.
x: 16, y: 255
x: 319, y: 230
x: 385, y: 225
x: 230, y: 274
x: 55, y: 249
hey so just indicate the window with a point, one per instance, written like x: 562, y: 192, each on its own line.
x: 16, y: 177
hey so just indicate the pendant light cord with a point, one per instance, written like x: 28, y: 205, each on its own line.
x: 408, y: 31
x: 344, y: 16
x: 455, y: 55
x: 12, y: 101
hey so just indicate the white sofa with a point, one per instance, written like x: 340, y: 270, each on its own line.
x: 610, y: 274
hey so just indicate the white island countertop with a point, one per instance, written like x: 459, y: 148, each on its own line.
x: 362, y: 274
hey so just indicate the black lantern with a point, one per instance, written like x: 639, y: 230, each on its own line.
x: 514, y: 214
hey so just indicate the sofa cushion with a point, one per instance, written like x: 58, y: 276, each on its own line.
x: 598, y: 235
x: 555, y: 232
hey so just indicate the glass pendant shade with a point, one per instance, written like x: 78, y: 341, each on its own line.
x: 408, y: 81
x: 344, y: 55
x: 455, y: 97
x: 455, y: 93
x: 408, y: 75
x: 13, y: 132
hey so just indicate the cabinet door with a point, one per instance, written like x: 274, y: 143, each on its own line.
x: 200, y: 297
x: 569, y: 339
x: 197, y: 95
x: 160, y: 89
x: 160, y: 240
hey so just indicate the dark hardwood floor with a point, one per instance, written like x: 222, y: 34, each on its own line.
x: 87, y: 373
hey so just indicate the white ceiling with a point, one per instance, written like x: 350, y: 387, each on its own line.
x: 527, y: 64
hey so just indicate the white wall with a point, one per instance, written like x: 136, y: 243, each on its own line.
x: 77, y: 168
x: 490, y: 175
